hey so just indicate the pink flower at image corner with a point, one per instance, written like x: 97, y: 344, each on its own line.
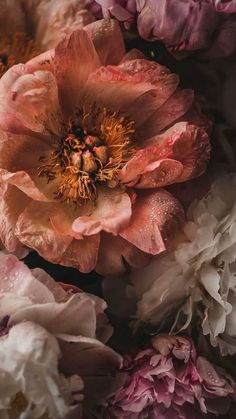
x: 207, y: 28
x: 169, y: 380
x: 89, y: 136
x: 56, y: 333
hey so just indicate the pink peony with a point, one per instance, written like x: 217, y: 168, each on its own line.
x: 208, y: 27
x: 170, y: 381
x: 51, y: 350
x: 28, y: 27
x: 89, y: 137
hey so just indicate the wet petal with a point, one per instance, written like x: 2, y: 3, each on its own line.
x: 116, y: 254
x: 105, y: 34
x: 156, y: 218
x: 112, y: 212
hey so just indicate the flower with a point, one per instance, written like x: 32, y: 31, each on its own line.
x: 207, y: 28
x: 87, y: 170
x: 197, y: 281
x: 170, y: 380
x: 30, y: 27
x: 50, y: 351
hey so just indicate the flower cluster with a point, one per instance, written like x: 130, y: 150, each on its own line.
x: 207, y: 28
x: 169, y: 380
x: 104, y: 158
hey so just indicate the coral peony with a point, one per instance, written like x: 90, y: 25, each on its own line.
x: 28, y: 27
x: 50, y: 353
x: 197, y: 280
x: 169, y: 381
x: 88, y: 140
x: 208, y: 27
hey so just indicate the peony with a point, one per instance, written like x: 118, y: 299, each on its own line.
x: 50, y: 352
x: 28, y: 27
x: 168, y: 381
x: 207, y: 27
x: 198, y: 279
x: 82, y: 169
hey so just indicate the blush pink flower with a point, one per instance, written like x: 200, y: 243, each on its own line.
x: 88, y: 140
x: 170, y: 381
x: 207, y: 27
x: 53, y: 334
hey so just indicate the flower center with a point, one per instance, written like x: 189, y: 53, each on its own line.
x: 92, y: 149
x: 15, y: 48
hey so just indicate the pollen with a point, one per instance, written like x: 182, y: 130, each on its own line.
x: 15, y: 48
x: 93, y: 148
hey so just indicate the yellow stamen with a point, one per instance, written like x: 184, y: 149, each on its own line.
x: 92, y: 150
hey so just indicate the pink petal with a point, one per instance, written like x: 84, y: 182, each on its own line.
x: 156, y: 218
x: 112, y: 213
x: 133, y: 54
x: 34, y: 229
x: 171, y: 111
x: 31, y: 98
x: 130, y: 86
x: 115, y: 254
x: 105, y: 34
x: 12, y: 204
x: 82, y: 254
x: 155, y: 175
x: 182, y: 145
x: 75, y: 59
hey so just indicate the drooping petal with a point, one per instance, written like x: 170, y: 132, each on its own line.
x: 112, y: 213
x: 82, y: 254
x: 156, y: 218
x: 34, y: 229
x: 115, y: 254
x: 105, y: 34
x: 75, y: 59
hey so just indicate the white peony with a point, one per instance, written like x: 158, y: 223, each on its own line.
x: 50, y: 346
x: 198, y: 280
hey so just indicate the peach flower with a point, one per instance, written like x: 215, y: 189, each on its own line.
x: 89, y: 138
x: 28, y: 27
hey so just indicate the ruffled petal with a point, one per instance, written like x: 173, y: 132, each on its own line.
x: 112, y: 213
x: 116, y: 254
x: 155, y: 175
x: 105, y: 34
x: 184, y: 148
x: 75, y: 59
x: 156, y: 218
x: 31, y: 99
x: 34, y: 229
x: 12, y: 204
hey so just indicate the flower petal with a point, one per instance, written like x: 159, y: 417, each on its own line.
x: 115, y: 254
x: 112, y: 213
x: 31, y: 98
x: 82, y: 254
x: 156, y: 218
x: 105, y: 34
x: 75, y: 59
x: 12, y: 204
x: 34, y: 229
